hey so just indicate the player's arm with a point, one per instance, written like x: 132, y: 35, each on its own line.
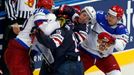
x: 121, y: 38
x: 121, y: 42
x: 80, y: 32
x: 46, y: 22
x: 53, y: 41
x: 68, y: 12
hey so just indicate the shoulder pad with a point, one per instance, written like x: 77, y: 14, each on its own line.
x: 100, y: 16
x: 121, y: 29
x: 45, y: 17
x: 40, y: 17
x: 45, y: 11
x: 51, y: 17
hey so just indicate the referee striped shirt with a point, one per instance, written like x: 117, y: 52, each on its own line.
x: 19, y: 9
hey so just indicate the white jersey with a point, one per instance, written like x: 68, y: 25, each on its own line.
x: 49, y: 24
x: 119, y: 32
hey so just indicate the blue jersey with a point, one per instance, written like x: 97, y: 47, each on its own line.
x: 101, y: 20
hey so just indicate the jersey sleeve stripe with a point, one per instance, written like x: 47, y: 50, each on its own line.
x: 81, y: 37
x: 57, y: 41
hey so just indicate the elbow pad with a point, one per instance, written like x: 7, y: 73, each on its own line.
x: 40, y: 18
x: 50, y: 27
x: 46, y: 22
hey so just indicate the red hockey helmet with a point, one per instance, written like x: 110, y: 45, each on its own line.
x: 116, y: 11
x: 45, y: 3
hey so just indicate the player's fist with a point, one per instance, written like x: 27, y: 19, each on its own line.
x: 66, y: 10
x: 105, y: 40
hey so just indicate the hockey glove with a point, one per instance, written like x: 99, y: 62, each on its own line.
x: 67, y: 11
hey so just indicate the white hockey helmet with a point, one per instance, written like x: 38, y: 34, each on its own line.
x: 90, y: 11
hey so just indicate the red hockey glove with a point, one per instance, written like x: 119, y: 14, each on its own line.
x: 66, y: 11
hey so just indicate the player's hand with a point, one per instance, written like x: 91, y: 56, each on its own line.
x: 105, y: 40
x: 69, y: 11
x: 16, y: 28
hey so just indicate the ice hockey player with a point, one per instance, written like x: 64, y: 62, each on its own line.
x: 64, y: 54
x: 79, y: 18
x: 63, y: 46
x: 107, y: 34
x: 16, y: 55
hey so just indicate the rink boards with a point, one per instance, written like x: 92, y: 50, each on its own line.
x: 124, y: 58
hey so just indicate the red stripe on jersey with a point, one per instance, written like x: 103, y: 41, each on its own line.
x: 39, y: 23
x: 56, y: 39
x: 83, y: 38
x: 123, y: 40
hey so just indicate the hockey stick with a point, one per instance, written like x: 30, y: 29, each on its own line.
x: 44, y: 57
